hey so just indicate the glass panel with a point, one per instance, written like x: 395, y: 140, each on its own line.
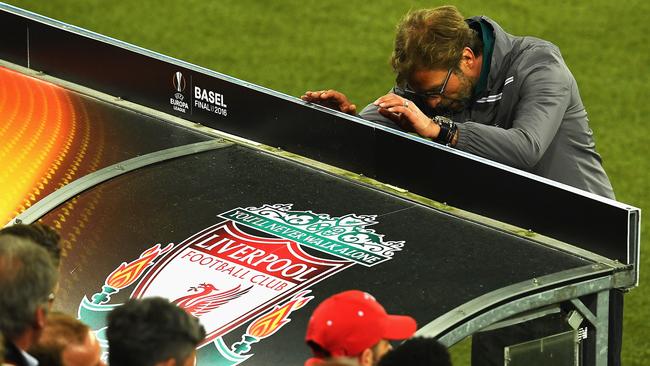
x: 557, y: 350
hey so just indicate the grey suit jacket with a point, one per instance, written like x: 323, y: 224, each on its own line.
x: 529, y: 117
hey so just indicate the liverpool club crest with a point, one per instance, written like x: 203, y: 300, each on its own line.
x: 226, y: 276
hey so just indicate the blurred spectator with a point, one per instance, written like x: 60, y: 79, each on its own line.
x: 353, y: 326
x: 66, y: 341
x: 40, y: 234
x: 27, y: 279
x: 418, y: 351
x: 152, y: 331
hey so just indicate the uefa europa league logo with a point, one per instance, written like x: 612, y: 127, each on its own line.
x: 179, y: 81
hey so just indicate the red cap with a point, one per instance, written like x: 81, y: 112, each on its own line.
x: 349, y: 322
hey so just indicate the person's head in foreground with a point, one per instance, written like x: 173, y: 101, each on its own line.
x: 67, y: 341
x: 152, y: 332
x: 41, y: 234
x: 417, y: 351
x: 353, y: 326
x: 27, y: 279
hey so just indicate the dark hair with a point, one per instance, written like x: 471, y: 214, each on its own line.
x: 417, y: 351
x: 431, y: 39
x: 41, y: 234
x: 27, y: 278
x: 61, y: 330
x: 318, y: 351
x: 143, y: 332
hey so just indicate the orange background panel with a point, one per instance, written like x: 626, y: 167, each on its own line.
x: 45, y: 141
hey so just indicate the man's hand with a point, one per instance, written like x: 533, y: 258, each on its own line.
x: 331, y: 99
x: 407, y: 115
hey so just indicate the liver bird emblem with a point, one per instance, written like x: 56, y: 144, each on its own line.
x: 206, y: 298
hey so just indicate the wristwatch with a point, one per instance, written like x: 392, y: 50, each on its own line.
x: 447, y: 129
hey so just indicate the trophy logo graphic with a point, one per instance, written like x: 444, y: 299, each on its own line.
x: 177, y: 101
x: 179, y: 81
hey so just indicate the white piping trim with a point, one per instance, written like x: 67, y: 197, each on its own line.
x: 490, y: 98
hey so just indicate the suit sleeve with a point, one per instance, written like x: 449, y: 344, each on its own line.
x: 544, y: 97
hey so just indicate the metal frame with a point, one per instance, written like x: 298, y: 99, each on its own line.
x: 505, y: 306
x: 68, y: 191
x: 634, y: 242
x: 571, y: 292
x: 524, y: 296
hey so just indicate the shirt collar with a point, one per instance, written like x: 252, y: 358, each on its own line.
x: 31, y: 360
x: 487, y: 35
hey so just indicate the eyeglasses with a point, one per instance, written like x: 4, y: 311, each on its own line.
x: 47, y: 304
x: 50, y: 298
x: 408, y: 92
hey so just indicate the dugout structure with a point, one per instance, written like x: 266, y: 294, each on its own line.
x: 168, y: 179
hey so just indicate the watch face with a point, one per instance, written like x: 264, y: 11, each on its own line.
x: 440, y: 120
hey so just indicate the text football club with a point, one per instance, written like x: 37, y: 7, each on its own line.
x: 231, y: 277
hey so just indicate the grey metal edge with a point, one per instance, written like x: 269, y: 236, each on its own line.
x: 76, y: 187
x: 476, y: 314
x: 634, y: 242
